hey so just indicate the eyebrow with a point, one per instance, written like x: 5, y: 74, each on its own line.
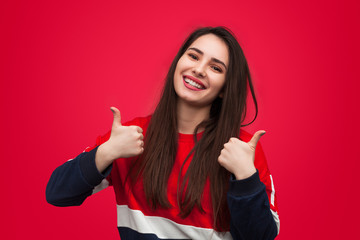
x: 212, y: 59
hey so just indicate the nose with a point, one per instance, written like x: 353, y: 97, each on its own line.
x: 199, y: 70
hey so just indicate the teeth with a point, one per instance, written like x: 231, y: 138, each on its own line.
x: 192, y: 83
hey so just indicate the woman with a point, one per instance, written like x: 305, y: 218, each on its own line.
x: 187, y: 171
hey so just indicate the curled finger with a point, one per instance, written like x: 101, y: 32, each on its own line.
x: 139, y: 129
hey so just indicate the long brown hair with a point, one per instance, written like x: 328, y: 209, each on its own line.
x: 226, y: 116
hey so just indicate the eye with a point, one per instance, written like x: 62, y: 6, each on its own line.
x: 217, y: 69
x: 193, y: 56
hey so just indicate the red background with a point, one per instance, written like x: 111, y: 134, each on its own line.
x: 64, y: 63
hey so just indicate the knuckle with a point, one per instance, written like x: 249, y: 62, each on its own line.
x: 134, y: 135
x: 252, y: 147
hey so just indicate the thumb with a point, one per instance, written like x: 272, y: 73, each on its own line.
x: 117, y: 117
x: 255, y: 139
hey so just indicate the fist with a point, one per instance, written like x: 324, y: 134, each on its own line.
x: 238, y: 156
x: 124, y: 141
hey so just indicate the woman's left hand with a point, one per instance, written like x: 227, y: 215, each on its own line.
x: 238, y: 156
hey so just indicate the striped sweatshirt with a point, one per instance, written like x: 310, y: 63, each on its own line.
x: 252, y: 201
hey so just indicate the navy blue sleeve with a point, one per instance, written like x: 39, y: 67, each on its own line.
x: 71, y: 183
x: 249, y: 207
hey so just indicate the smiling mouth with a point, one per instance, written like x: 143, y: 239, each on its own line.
x: 193, y: 83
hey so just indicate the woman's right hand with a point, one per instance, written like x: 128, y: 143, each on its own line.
x: 124, y: 142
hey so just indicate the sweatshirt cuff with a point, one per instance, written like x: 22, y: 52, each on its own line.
x: 246, y: 186
x: 89, y: 170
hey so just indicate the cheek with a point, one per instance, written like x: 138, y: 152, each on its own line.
x: 219, y: 82
x: 179, y: 67
x: 177, y: 78
x: 185, y: 63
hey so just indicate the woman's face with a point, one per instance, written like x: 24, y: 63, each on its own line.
x: 200, y: 72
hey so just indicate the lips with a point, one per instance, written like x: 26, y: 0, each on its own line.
x: 193, y: 83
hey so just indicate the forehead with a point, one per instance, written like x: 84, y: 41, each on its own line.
x: 212, y: 46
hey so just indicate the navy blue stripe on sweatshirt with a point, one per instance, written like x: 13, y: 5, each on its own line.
x: 72, y: 182
x: 250, y: 209
x: 130, y: 234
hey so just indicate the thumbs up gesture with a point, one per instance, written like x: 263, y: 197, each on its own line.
x: 238, y: 156
x: 124, y: 142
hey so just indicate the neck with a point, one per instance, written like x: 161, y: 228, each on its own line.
x: 188, y: 117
